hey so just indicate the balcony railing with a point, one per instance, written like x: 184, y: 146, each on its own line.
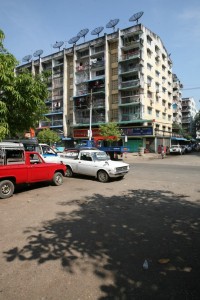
x: 131, y: 55
x: 86, y: 120
x: 82, y: 68
x: 97, y: 64
x: 129, y: 117
x: 54, y: 111
x: 128, y: 84
x: 129, y: 69
x: 130, y: 99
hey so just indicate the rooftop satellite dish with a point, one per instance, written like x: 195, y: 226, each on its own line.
x: 83, y: 33
x: 136, y: 17
x: 58, y: 45
x: 112, y: 24
x: 38, y: 53
x: 26, y: 58
x: 96, y: 31
x: 74, y: 40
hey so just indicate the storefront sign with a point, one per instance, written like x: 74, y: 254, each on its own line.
x: 138, y: 131
x: 135, y: 131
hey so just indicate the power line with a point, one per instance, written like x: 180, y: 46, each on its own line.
x: 195, y: 88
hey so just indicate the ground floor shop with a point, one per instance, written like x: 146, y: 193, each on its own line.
x: 133, y: 138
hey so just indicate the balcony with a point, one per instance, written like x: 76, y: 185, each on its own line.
x: 129, y: 117
x: 86, y: 120
x: 130, y: 100
x: 97, y: 65
x: 82, y: 68
x: 54, y: 111
x: 130, y: 55
x: 129, y: 84
x: 130, y: 44
x: 129, y: 70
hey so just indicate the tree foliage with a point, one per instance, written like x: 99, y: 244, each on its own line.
x: 48, y: 136
x: 22, y: 96
x: 197, y: 121
x: 110, y: 130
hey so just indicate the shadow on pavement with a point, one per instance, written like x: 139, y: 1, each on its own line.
x: 114, y: 235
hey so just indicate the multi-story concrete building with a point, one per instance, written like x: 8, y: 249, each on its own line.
x: 177, y: 100
x: 123, y: 77
x: 189, y: 112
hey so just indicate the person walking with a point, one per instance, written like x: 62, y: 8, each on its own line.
x: 162, y: 152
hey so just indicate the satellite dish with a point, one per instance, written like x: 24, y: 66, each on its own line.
x: 26, y: 58
x: 136, y: 17
x: 58, y: 45
x: 96, y: 31
x: 112, y: 24
x: 74, y: 40
x: 83, y: 33
x: 38, y: 53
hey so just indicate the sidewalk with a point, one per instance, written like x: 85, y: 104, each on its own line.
x: 131, y: 157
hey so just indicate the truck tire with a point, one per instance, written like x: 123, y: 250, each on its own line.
x: 6, y: 189
x: 57, y: 179
x: 102, y: 176
x: 69, y: 172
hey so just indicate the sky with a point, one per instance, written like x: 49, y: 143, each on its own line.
x: 31, y: 25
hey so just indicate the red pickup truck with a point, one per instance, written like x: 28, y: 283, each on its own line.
x: 20, y: 167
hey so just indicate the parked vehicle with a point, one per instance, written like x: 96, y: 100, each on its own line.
x: 18, y: 166
x: 188, y: 148
x: 95, y: 163
x: 111, y: 147
x: 176, y: 149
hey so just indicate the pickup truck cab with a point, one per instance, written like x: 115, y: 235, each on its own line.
x: 95, y: 163
x: 18, y: 166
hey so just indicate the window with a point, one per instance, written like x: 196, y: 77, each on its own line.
x: 149, y: 40
x: 157, y: 73
x: 164, y: 116
x: 149, y: 67
x: 149, y: 80
x: 100, y: 73
x: 157, y: 113
x: 149, y: 110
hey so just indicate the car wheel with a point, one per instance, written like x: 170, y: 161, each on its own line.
x: 57, y: 179
x: 102, y: 176
x: 69, y: 172
x: 6, y: 189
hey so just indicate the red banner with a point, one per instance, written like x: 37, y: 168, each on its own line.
x: 83, y: 133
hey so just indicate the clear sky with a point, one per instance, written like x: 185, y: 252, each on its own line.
x: 30, y: 25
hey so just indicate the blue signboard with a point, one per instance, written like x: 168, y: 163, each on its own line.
x: 138, y: 131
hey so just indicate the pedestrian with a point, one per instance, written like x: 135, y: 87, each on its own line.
x: 162, y: 152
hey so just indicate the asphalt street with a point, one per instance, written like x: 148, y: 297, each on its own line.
x: 89, y: 240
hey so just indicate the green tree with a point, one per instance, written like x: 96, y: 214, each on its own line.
x: 48, y: 136
x: 110, y: 130
x: 197, y: 121
x: 22, y: 96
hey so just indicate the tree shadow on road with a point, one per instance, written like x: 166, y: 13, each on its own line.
x: 114, y: 235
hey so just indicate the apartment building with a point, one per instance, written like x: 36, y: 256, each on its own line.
x: 177, y: 100
x: 124, y: 77
x: 189, y: 112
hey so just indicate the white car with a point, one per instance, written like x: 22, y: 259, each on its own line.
x: 95, y: 163
x: 176, y: 149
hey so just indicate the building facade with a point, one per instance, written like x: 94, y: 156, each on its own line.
x: 123, y: 77
x: 189, y: 112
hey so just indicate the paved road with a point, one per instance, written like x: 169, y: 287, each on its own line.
x: 88, y: 240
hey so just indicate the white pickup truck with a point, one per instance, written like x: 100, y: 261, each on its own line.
x: 94, y: 163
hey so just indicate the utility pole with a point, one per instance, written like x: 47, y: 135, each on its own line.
x: 90, y: 128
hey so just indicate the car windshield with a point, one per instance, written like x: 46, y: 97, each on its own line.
x: 101, y: 156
